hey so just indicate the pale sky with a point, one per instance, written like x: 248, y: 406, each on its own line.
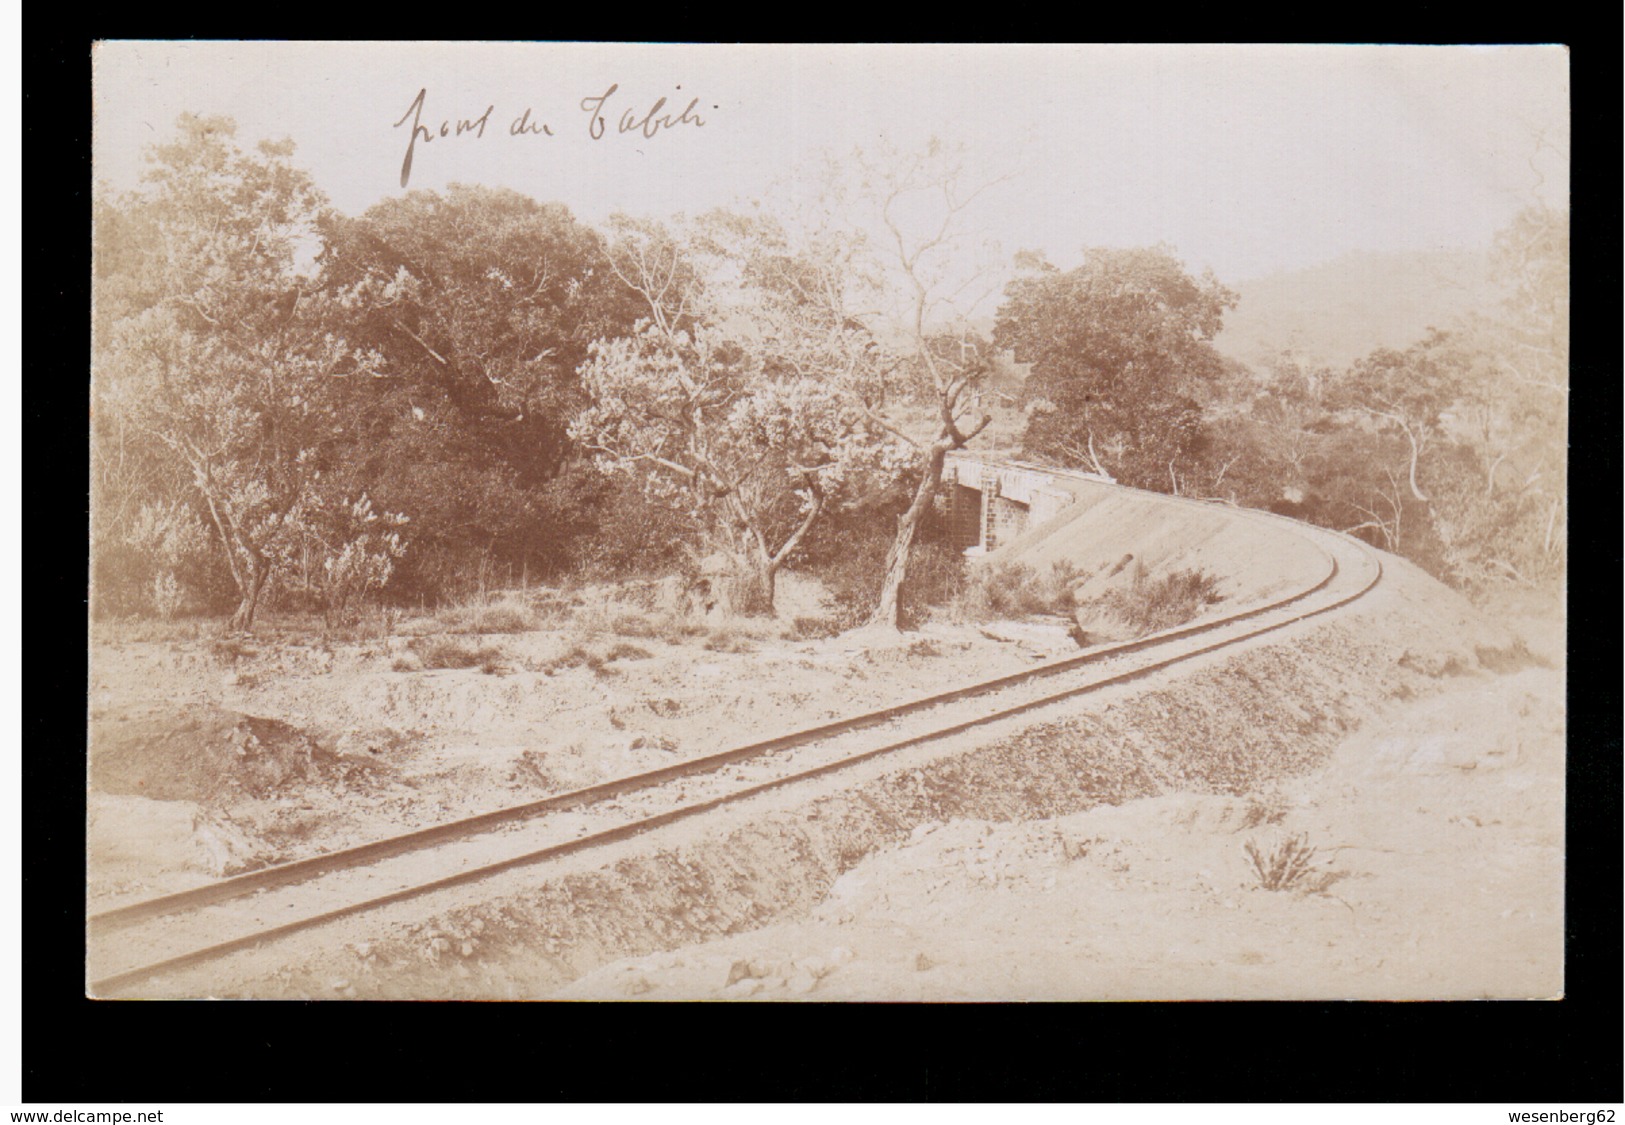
x: 1246, y: 159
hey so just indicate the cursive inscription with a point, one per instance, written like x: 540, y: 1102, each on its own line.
x: 609, y: 114
x: 649, y: 125
x: 523, y: 124
x: 475, y: 125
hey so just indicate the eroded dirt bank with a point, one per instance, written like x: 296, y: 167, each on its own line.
x: 1102, y: 854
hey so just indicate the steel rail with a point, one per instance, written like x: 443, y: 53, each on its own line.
x: 116, y: 981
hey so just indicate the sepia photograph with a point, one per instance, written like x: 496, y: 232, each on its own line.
x: 848, y: 523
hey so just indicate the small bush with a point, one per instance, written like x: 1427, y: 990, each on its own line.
x: 1005, y: 590
x: 1288, y: 866
x: 678, y: 630
x: 577, y: 657
x: 624, y: 651
x: 635, y: 625
x: 499, y: 618
x: 229, y: 649
x: 1150, y: 605
x: 1261, y: 812
x: 813, y: 628
x: 847, y: 553
x: 530, y: 768
x: 363, y: 625
x: 445, y: 652
x: 936, y: 578
x: 724, y: 639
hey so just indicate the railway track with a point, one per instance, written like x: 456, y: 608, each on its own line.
x: 140, y: 941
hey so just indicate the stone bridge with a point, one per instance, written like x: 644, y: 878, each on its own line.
x: 993, y: 502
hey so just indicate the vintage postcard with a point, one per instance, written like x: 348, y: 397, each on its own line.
x: 806, y: 523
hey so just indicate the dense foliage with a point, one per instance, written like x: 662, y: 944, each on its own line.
x: 481, y: 304
x: 460, y: 391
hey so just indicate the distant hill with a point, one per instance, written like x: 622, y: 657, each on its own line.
x: 1341, y: 310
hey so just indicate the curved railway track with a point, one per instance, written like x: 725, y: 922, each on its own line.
x: 138, y: 941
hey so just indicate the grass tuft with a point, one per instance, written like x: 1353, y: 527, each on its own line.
x: 1289, y: 865
x: 578, y: 656
x: 725, y: 638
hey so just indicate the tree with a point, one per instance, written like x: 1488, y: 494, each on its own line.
x: 1524, y: 398
x: 1259, y: 430
x: 1119, y: 347
x: 482, y: 303
x: 1408, y: 393
x: 218, y: 348
x: 928, y: 397
x: 727, y: 399
x: 1496, y: 481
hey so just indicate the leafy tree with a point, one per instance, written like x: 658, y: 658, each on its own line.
x: 1259, y: 430
x: 1119, y: 347
x: 1408, y: 393
x: 482, y: 303
x: 216, y: 346
x: 1516, y: 402
x: 728, y: 400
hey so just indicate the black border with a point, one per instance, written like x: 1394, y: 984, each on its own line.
x: 78, y: 1051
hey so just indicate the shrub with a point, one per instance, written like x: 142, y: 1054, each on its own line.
x: 615, y: 529
x: 230, y: 649
x: 446, y: 652
x: 530, y: 768
x: 500, y: 618
x: 726, y: 639
x: 337, y: 555
x: 1002, y: 590
x: 160, y: 564
x: 635, y: 625
x: 851, y: 566
x: 679, y: 629
x: 624, y: 651
x: 936, y: 578
x: 1266, y: 811
x: 1150, y: 605
x: 812, y: 628
x: 577, y: 657
x: 846, y: 551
